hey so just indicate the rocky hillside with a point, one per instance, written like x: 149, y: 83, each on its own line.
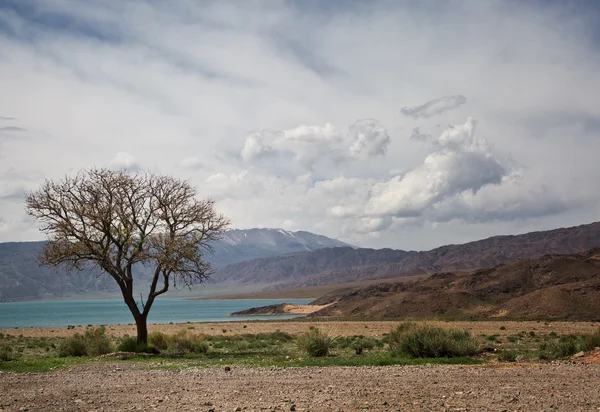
x: 22, y: 278
x: 554, y: 286
x: 332, y: 266
x: 296, y: 266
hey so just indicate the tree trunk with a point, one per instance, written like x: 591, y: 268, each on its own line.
x: 142, y: 329
x: 140, y: 318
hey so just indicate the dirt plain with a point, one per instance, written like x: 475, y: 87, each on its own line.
x: 130, y: 386
x: 119, y: 386
x: 334, y: 328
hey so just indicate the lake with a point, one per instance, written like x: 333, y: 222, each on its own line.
x: 114, y: 311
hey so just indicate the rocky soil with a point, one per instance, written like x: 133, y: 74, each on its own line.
x: 128, y: 386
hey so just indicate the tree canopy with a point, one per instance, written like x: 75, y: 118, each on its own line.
x: 114, y: 220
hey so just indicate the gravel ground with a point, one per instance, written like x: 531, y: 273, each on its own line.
x: 129, y: 386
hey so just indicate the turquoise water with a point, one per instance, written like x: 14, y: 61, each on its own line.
x: 113, y: 311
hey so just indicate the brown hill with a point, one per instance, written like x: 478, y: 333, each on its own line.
x: 295, y: 266
x: 554, y: 286
x: 343, y: 265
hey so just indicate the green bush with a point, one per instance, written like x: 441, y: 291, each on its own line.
x: 130, y: 344
x: 72, y: 346
x: 397, y: 335
x: 507, y: 356
x: 183, y: 341
x: 6, y: 353
x: 361, y: 344
x: 589, y: 342
x: 432, y: 342
x: 277, y: 336
x: 159, y: 340
x: 558, y: 350
x: 97, y: 342
x: 315, y: 343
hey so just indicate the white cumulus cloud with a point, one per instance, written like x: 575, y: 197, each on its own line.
x: 124, y: 161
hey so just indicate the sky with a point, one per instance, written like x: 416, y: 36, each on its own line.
x: 401, y: 124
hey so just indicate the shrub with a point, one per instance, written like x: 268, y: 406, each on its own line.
x: 557, y: 350
x: 97, y: 342
x: 502, y: 327
x: 396, y: 337
x: 159, y: 340
x: 278, y: 336
x: 315, y: 343
x: 433, y: 342
x: 507, y: 356
x: 129, y: 344
x: 360, y: 344
x: 72, y: 346
x: 184, y: 342
x: 590, y: 342
x: 6, y: 353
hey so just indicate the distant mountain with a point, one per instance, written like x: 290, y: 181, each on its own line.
x: 22, y: 278
x: 553, y: 286
x: 294, y: 267
x: 239, y: 245
x: 342, y: 265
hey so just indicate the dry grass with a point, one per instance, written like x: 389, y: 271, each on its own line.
x: 334, y: 328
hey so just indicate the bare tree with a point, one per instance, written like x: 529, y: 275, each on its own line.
x: 113, y: 220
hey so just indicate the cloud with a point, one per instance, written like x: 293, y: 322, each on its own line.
x: 459, y: 163
x: 418, y: 136
x: 12, y: 129
x: 191, y: 163
x: 368, y: 139
x: 124, y: 161
x: 262, y: 113
x: 7, y: 118
x: 434, y: 107
x: 308, y: 145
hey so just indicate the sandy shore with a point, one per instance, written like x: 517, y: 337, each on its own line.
x: 334, y: 328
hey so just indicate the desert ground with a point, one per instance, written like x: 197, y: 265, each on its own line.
x: 335, y: 328
x: 127, y: 386
x: 493, y: 386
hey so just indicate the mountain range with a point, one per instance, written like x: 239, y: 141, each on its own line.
x: 22, y: 278
x: 551, y: 287
x: 343, y: 265
x: 283, y: 260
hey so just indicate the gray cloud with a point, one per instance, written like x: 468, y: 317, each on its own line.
x: 290, y: 73
x: 12, y: 129
x: 434, y: 107
x: 418, y: 136
x: 7, y: 118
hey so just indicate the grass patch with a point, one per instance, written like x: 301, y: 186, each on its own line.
x: 93, y: 342
x: 41, y: 364
x: 568, y: 345
x: 315, y: 343
x: 508, y: 356
x: 432, y: 342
